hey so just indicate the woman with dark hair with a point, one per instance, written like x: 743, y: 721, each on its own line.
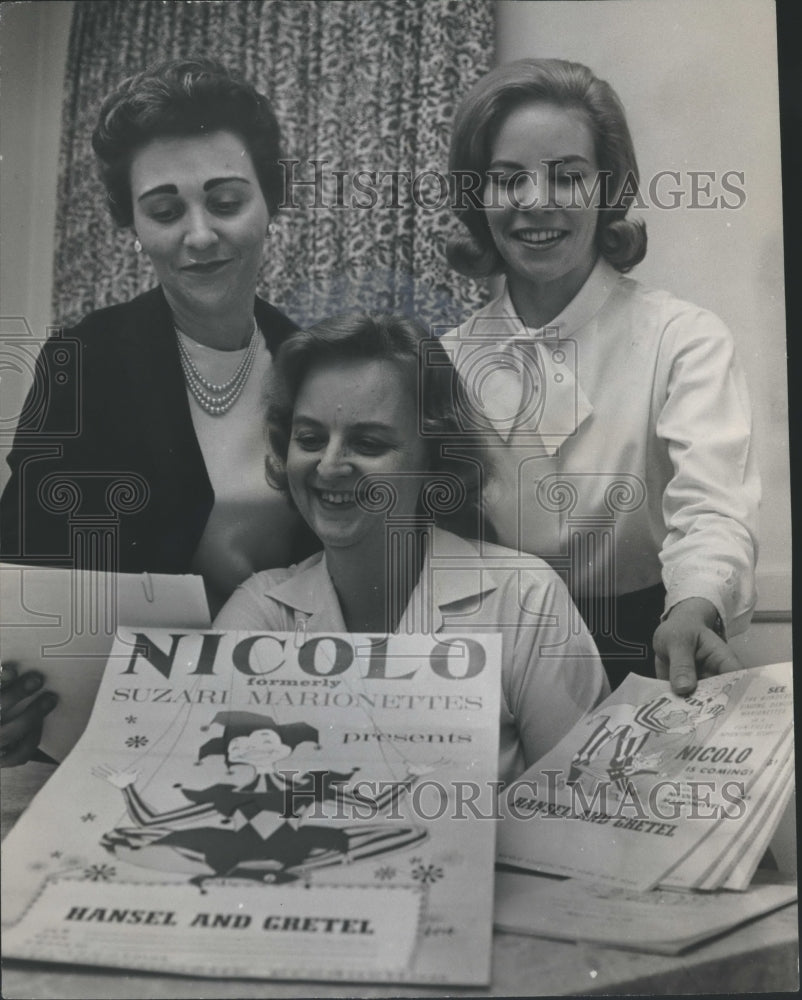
x: 360, y: 421
x: 153, y: 411
x: 618, y: 417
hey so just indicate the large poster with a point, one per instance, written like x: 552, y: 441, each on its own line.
x: 269, y: 805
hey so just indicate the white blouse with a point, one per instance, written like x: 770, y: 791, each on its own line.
x: 619, y: 442
x: 551, y: 674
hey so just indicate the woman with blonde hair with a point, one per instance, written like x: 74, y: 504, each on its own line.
x: 361, y: 419
x: 617, y: 417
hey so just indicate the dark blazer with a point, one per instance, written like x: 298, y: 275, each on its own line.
x: 106, y: 468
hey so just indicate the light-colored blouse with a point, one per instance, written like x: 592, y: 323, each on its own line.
x: 551, y: 674
x: 620, y: 442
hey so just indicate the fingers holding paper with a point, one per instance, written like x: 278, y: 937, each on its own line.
x: 21, y: 717
x: 687, y: 646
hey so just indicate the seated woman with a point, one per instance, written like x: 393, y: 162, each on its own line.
x: 360, y: 415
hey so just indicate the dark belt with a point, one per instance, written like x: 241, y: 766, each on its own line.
x: 622, y: 628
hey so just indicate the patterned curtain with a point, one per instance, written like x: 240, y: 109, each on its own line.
x: 368, y: 90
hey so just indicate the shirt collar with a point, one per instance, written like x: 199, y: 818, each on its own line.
x: 453, y: 565
x: 580, y: 310
x: 499, y: 322
x: 499, y: 329
x: 311, y: 592
x: 456, y: 572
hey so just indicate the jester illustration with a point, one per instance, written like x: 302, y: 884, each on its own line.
x: 260, y: 832
x: 629, y: 740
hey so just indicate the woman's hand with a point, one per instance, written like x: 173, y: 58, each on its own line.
x: 687, y: 646
x: 21, y: 726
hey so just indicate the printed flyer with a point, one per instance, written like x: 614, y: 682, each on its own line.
x: 662, y: 921
x: 270, y: 805
x: 649, y: 779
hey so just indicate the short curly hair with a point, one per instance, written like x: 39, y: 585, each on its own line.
x: 427, y: 369
x: 620, y: 241
x: 183, y: 97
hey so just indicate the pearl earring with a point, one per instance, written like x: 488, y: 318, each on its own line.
x: 137, y: 245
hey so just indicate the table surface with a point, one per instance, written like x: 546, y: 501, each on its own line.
x: 760, y: 956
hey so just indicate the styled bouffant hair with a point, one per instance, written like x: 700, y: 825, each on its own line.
x: 183, y: 97
x: 453, y: 496
x: 479, y: 118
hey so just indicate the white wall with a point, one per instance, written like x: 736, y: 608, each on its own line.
x: 699, y: 83
x: 33, y: 50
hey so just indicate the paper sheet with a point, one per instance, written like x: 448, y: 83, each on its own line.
x: 63, y: 623
x: 662, y: 921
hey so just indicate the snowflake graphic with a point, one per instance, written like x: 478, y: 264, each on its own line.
x: 100, y: 873
x: 88, y: 817
x: 385, y: 873
x: 137, y: 741
x: 130, y: 719
x: 427, y: 874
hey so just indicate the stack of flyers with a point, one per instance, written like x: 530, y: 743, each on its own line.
x: 654, y: 789
x: 727, y: 861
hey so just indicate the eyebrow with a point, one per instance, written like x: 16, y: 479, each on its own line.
x: 560, y: 160
x: 362, y: 425
x: 211, y: 183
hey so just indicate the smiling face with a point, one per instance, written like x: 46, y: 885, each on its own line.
x: 201, y: 217
x: 540, y: 224
x: 351, y: 418
x: 261, y: 749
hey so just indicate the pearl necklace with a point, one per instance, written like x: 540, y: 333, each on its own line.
x: 212, y: 398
